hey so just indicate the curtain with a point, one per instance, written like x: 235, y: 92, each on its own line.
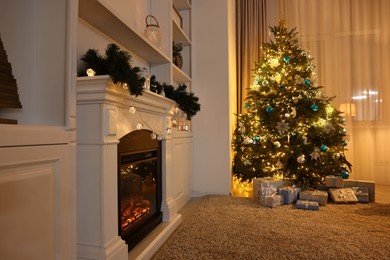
x: 349, y: 42
x: 251, y: 33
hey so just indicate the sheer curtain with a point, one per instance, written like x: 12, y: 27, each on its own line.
x: 349, y: 42
x: 251, y: 32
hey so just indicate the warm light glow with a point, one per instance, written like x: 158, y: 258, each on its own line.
x: 274, y: 62
x: 370, y: 92
x: 244, y: 189
x: 90, y: 72
x: 329, y: 110
x: 132, y: 110
x: 277, y: 78
x: 140, y: 126
x: 359, y: 97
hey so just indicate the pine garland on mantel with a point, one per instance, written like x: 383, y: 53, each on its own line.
x: 187, y: 101
x: 117, y: 64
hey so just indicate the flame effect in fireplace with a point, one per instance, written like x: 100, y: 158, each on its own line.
x: 134, y: 212
x: 138, y: 181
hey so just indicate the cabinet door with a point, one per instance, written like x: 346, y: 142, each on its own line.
x: 37, y: 216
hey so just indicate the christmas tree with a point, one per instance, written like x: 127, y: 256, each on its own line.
x: 289, y: 128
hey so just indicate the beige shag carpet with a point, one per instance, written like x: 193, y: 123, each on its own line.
x: 226, y: 227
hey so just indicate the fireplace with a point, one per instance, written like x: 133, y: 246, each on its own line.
x: 103, y: 121
x: 139, y: 186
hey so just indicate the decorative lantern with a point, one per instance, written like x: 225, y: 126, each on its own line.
x: 152, y: 30
x: 144, y: 73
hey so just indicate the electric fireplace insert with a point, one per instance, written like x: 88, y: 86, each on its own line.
x: 139, y: 186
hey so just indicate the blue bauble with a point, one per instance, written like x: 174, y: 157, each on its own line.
x: 307, y: 81
x: 270, y: 109
x: 265, y: 83
x: 256, y: 139
x: 286, y: 59
x: 343, y: 131
x: 247, y: 105
x: 324, y: 148
x: 345, y: 174
x: 314, y: 107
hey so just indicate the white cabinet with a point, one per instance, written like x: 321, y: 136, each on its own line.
x: 37, y: 193
x: 182, y: 34
x: 124, y: 22
x: 182, y: 166
x: 37, y: 156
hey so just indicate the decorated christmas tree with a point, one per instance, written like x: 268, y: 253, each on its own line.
x: 289, y: 128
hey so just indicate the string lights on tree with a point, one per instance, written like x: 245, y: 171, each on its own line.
x: 289, y: 128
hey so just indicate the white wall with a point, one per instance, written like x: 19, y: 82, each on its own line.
x: 213, y: 81
x: 36, y: 50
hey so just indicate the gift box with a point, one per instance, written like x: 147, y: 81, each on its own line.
x: 334, y: 181
x: 271, y: 201
x: 290, y: 194
x: 361, y: 194
x: 370, y: 185
x: 315, y: 195
x: 322, y: 187
x: 266, y: 186
x: 307, y: 204
x: 344, y: 195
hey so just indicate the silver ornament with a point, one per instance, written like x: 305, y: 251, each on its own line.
x: 301, y: 159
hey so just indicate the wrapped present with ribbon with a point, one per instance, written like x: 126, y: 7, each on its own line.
x: 370, y: 185
x: 266, y: 186
x: 271, y: 201
x: 307, y: 204
x: 334, y: 181
x: 315, y: 195
x: 344, y: 195
x: 290, y: 194
x: 361, y: 194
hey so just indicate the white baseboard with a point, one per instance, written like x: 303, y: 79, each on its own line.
x: 153, y: 241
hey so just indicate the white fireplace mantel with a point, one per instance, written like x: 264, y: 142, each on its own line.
x: 155, y: 109
x: 103, y: 117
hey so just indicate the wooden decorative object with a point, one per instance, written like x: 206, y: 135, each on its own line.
x: 9, y: 97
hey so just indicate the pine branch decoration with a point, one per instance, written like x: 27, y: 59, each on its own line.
x: 187, y: 101
x: 117, y: 64
x: 94, y: 61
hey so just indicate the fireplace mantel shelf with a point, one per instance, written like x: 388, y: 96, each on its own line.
x: 101, y: 89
